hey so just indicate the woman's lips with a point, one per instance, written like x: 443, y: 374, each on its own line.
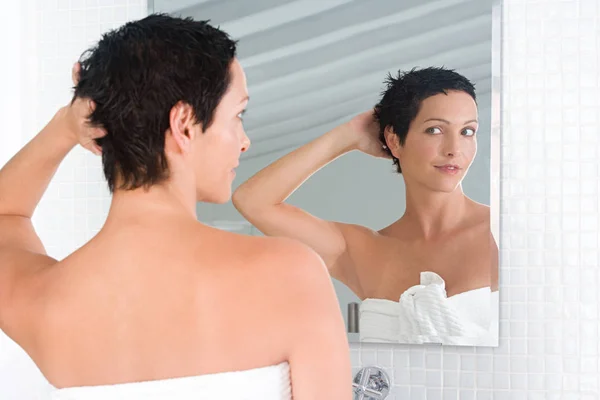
x: 450, y: 169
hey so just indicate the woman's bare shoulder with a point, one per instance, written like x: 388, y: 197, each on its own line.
x: 287, y: 258
x: 290, y: 278
x: 279, y: 257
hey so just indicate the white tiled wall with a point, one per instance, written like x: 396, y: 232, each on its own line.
x: 550, y: 278
x: 40, y: 40
x: 550, y: 179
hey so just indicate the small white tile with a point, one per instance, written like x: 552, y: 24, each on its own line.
x: 451, y: 361
x: 418, y: 393
x: 537, y: 396
x: 502, y: 395
x: 433, y: 361
x: 384, y: 358
x: 518, y: 347
x: 433, y: 394
x: 571, y: 382
x: 589, y: 365
x: 466, y: 379
x: 518, y: 381
x: 416, y: 359
x: 417, y: 377
x: 553, y: 382
x: 501, y: 381
x: 401, y: 392
x: 433, y: 379
x: 553, y: 364
x: 450, y: 379
x: 535, y: 381
x: 465, y: 394
x: 535, y: 364
x: 467, y: 363
x: 450, y: 394
x: 484, y: 395
x: 401, y: 358
x: 484, y: 380
x: 401, y: 375
x: 368, y: 357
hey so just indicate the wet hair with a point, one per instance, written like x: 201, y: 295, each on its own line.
x: 136, y: 74
x: 402, y: 98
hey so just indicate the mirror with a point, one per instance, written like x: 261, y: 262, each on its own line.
x: 413, y: 255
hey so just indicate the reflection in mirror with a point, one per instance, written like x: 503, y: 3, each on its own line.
x: 371, y: 129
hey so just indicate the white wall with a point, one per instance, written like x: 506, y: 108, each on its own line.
x: 40, y: 40
x: 549, y: 233
x: 18, y: 375
x: 549, y: 278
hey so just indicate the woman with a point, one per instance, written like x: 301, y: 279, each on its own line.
x: 158, y: 305
x: 440, y: 251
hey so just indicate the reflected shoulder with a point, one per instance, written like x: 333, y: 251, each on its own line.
x: 478, y: 214
x: 479, y: 208
x: 356, y: 230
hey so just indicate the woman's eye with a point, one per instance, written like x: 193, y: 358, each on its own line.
x: 469, y: 132
x: 433, y: 130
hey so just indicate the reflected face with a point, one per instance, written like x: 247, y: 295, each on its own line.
x: 217, y: 151
x: 441, y: 142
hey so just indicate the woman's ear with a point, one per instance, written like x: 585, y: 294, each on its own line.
x: 181, y: 121
x: 392, y: 141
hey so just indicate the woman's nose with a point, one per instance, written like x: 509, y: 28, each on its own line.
x: 245, y: 143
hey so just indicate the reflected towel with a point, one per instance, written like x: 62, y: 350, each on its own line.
x: 425, y: 314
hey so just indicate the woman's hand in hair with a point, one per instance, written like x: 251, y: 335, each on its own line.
x: 363, y: 132
x: 77, y: 115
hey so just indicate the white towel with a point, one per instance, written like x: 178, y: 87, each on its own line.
x: 267, y: 383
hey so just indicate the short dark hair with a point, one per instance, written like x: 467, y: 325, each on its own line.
x: 402, y: 98
x: 136, y: 74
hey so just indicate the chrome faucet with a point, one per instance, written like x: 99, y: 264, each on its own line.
x: 371, y: 383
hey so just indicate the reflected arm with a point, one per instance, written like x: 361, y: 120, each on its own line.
x: 261, y: 199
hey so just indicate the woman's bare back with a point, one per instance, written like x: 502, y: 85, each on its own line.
x: 155, y: 299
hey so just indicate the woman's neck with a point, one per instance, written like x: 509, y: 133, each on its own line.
x: 164, y: 199
x: 430, y: 214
